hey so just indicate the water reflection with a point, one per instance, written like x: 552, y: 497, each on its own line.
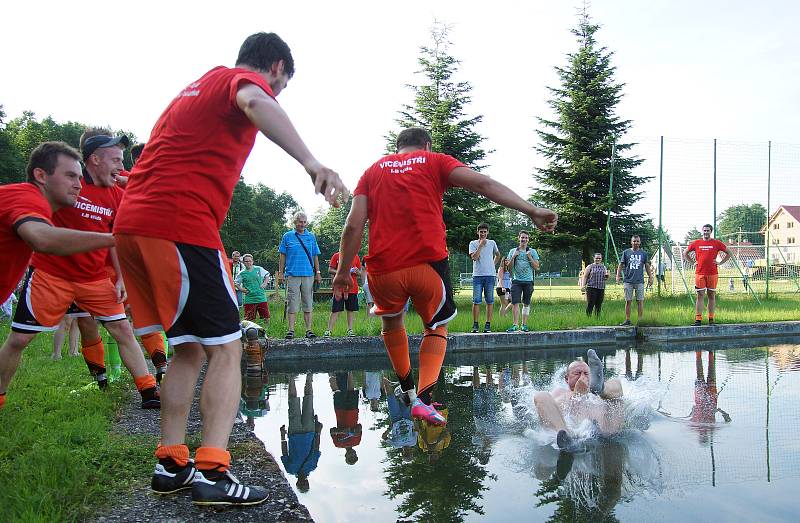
x: 494, y: 460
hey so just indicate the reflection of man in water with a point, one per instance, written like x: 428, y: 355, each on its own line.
x: 300, y: 452
x: 255, y: 397
x: 705, y: 407
x: 580, y: 400
x: 629, y: 375
x: 401, y: 433
x: 347, y: 432
x: 433, y: 438
x: 485, y: 407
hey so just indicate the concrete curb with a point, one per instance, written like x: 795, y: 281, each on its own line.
x: 718, y: 332
x: 367, y: 346
x: 461, y: 344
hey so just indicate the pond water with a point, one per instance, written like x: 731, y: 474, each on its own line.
x: 720, y: 440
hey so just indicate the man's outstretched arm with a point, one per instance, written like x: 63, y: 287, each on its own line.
x: 464, y: 177
x: 272, y: 120
x: 44, y: 238
x: 352, y: 235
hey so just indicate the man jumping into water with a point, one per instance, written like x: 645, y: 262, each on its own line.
x: 583, y: 381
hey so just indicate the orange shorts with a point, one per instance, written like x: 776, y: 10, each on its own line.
x: 46, y: 298
x: 184, y: 290
x: 428, y: 286
x: 703, y: 282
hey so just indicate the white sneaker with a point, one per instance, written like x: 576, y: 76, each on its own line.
x: 326, y: 334
x: 350, y: 333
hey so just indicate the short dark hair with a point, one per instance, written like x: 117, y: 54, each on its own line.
x: 413, y: 137
x: 261, y: 50
x: 483, y: 226
x: 45, y: 157
x: 136, y: 151
x: 89, y: 132
x: 526, y: 233
x: 709, y: 226
x: 636, y: 236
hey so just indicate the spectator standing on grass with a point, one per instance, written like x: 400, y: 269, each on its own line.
x: 67, y: 328
x: 236, y: 267
x: 634, y: 261
x: 706, y: 273
x: 367, y: 295
x: 504, y: 285
x: 299, y: 265
x: 593, y: 281
x: 350, y: 302
x: 484, y: 254
x: 253, y: 280
x: 523, y: 260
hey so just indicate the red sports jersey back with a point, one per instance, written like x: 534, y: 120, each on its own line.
x: 405, y: 209
x: 21, y: 202
x: 181, y: 187
x: 94, y: 211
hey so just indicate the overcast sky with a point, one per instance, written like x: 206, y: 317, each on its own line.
x: 693, y: 71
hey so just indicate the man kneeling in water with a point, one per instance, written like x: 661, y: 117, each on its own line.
x: 580, y: 400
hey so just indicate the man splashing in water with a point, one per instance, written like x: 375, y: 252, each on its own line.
x: 587, y: 397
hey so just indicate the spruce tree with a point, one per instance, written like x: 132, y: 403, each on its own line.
x: 440, y: 107
x: 577, y: 145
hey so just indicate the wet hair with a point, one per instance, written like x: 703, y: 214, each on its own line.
x: 136, y: 151
x: 709, y: 226
x: 483, y: 226
x: 413, y: 137
x: 45, y: 157
x: 90, y: 132
x: 261, y: 50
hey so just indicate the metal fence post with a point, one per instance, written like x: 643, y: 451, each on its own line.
x: 769, y: 188
x: 660, y: 201
x: 715, y: 187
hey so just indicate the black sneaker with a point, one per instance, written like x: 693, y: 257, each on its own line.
x: 102, y: 381
x: 711, y: 321
x: 310, y: 335
x: 151, y: 398
x: 626, y: 323
x: 697, y: 323
x: 169, y: 477
x: 222, y: 488
x: 289, y: 335
x: 474, y: 327
x: 487, y: 327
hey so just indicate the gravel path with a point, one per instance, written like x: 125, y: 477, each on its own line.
x: 251, y: 463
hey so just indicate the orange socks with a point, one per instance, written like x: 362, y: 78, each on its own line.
x: 178, y: 453
x: 148, y: 381
x: 94, y: 355
x: 698, y: 317
x: 431, y: 356
x: 396, y: 342
x: 212, y: 458
x: 154, y: 345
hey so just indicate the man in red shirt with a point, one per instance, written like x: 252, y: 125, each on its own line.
x: 401, y: 196
x: 54, y: 174
x: 351, y: 301
x: 56, y: 282
x: 175, y: 270
x: 705, y: 272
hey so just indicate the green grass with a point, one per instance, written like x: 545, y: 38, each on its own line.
x: 58, y: 458
x: 564, y: 310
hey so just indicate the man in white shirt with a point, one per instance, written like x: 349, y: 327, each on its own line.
x: 484, y: 254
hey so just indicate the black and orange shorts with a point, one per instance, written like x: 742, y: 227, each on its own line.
x: 46, y: 298
x: 185, y: 290
x: 428, y: 286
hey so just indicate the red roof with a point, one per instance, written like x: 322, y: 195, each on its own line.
x: 794, y: 210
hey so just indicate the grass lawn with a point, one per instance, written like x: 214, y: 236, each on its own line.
x: 561, y: 306
x: 58, y: 459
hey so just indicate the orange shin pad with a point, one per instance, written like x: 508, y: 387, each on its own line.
x: 212, y: 458
x: 94, y: 354
x: 178, y: 453
x: 148, y: 381
x: 431, y: 356
x: 396, y: 342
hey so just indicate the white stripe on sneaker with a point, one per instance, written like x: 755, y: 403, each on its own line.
x: 246, y: 493
x: 231, y: 489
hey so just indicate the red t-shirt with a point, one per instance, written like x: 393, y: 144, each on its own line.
x: 94, y: 211
x: 181, y: 187
x: 706, y: 254
x: 22, y: 202
x: 356, y: 264
x: 405, y: 209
